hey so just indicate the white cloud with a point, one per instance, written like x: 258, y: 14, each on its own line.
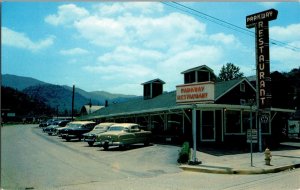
x: 286, y: 59
x: 138, y: 8
x: 269, y: 4
x: 290, y: 33
x: 171, y: 68
x: 128, y: 55
x: 223, y: 38
x: 67, y: 14
x: 20, y: 40
x: 174, y: 29
x: 74, y: 51
x: 101, y: 31
x: 140, y: 42
x: 121, y: 73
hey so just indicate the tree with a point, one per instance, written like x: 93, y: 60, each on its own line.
x: 229, y: 72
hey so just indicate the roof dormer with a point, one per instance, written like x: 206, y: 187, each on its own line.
x: 153, y: 88
x: 198, y: 74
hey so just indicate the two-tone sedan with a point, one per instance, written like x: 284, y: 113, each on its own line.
x: 123, y: 134
x: 90, y: 137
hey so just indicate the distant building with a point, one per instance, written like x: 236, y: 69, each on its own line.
x: 89, y: 109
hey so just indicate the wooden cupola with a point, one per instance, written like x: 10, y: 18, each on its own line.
x: 198, y: 74
x: 153, y: 88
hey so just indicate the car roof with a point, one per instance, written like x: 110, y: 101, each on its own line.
x: 105, y: 124
x: 125, y: 124
x: 81, y: 122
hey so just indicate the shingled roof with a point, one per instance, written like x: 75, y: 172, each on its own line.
x: 165, y: 101
x: 221, y: 88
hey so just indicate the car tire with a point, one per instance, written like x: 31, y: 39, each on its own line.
x: 68, y: 139
x: 147, y: 143
x: 50, y: 134
x: 91, y: 143
x: 105, y: 146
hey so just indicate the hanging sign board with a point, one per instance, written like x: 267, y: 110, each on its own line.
x: 261, y: 23
x: 202, y: 92
x: 254, y: 135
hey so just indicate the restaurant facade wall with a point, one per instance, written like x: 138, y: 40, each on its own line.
x: 222, y: 121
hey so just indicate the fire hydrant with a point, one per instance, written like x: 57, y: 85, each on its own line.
x: 268, y: 156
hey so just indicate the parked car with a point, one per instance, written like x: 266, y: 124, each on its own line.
x: 57, y: 131
x: 76, y: 129
x: 47, y: 123
x: 51, y: 128
x: 90, y: 137
x: 123, y: 134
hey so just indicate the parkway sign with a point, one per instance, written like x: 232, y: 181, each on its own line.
x: 261, y: 23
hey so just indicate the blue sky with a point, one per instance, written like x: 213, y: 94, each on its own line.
x: 117, y: 46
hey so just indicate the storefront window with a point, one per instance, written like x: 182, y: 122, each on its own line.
x: 174, y: 124
x: 246, y: 121
x: 233, y: 121
x: 208, y: 127
x: 265, y: 125
x: 157, y: 124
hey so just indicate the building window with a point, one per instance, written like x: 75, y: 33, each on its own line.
x: 189, y: 77
x: 265, y: 125
x: 233, y: 121
x: 242, y: 101
x: 242, y: 87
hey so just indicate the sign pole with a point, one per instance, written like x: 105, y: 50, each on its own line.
x: 251, y: 147
x: 194, y: 158
x: 260, y: 21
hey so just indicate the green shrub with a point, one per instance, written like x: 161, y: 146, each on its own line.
x: 184, y: 154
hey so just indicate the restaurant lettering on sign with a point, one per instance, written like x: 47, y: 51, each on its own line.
x: 196, y: 92
x: 261, y: 23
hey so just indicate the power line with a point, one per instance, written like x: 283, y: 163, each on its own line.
x: 226, y: 24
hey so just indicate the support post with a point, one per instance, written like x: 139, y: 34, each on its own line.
x: 251, y: 143
x: 73, y: 102
x: 194, y: 133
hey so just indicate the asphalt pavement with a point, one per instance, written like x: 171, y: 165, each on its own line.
x: 286, y: 157
x: 31, y: 159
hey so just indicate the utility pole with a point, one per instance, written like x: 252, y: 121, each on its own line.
x: 73, y: 102
x: 90, y: 104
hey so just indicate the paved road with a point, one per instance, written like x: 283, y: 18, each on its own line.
x: 33, y: 160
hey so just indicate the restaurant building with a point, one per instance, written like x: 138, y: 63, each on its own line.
x: 223, y: 111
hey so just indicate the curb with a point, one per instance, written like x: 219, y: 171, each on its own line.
x: 227, y: 170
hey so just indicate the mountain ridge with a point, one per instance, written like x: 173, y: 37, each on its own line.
x: 60, y: 96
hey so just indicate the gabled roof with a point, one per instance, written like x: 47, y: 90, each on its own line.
x: 166, y: 100
x: 92, y: 109
x: 163, y: 102
x: 154, y: 81
x: 221, y: 88
x: 199, y: 68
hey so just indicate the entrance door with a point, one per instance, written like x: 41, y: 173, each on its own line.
x: 207, y: 126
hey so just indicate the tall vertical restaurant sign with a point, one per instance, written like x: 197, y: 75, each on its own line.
x: 261, y: 23
x: 201, y: 92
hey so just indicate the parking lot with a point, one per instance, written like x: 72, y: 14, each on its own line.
x: 30, y: 159
x: 34, y: 159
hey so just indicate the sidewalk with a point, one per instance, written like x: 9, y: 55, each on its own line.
x: 216, y: 162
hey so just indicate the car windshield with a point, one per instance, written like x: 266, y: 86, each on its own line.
x: 74, y: 125
x: 100, y: 128
x: 116, y: 128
